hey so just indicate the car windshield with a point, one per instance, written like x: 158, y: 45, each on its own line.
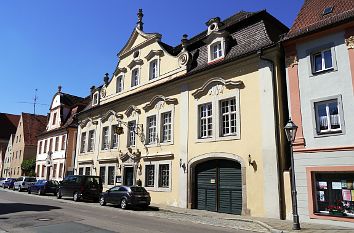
x: 137, y: 189
x: 30, y: 179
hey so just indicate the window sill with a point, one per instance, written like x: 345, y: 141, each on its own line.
x: 329, y: 134
x: 215, y: 60
x: 219, y: 139
x: 153, y: 189
x: 316, y: 73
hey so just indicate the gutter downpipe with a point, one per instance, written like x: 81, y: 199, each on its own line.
x: 277, y: 136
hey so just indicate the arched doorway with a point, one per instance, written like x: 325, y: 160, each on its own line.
x: 218, y: 186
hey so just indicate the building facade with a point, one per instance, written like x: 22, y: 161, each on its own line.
x: 25, y: 141
x: 7, y: 158
x: 320, y: 76
x: 196, y: 124
x: 56, y: 144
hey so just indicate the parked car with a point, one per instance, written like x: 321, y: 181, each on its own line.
x: 42, y: 187
x: 24, y: 182
x: 3, y: 180
x: 9, y: 183
x: 80, y: 187
x: 126, y: 196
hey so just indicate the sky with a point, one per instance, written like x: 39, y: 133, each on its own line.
x: 46, y: 43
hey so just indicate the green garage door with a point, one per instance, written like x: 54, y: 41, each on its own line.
x: 219, y: 186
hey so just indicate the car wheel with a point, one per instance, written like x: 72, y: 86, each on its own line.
x: 123, y: 203
x: 59, y: 194
x: 29, y: 191
x: 76, y: 197
x: 145, y: 206
x: 13, y: 188
x: 19, y: 189
x: 40, y: 192
x: 3, y: 186
x: 102, y: 201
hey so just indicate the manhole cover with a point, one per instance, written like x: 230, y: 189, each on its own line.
x: 44, y: 219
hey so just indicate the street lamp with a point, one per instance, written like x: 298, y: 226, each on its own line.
x: 290, y: 131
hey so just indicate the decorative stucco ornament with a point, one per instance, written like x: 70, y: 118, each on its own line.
x: 216, y: 90
x: 350, y: 42
x: 103, y: 92
x: 291, y: 61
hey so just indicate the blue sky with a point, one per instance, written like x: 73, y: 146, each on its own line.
x: 46, y: 43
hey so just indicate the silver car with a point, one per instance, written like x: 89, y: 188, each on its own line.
x: 3, y: 180
x: 24, y: 182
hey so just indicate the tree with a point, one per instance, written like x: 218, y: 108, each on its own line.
x: 28, y: 167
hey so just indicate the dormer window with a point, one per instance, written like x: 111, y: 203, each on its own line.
x: 216, y: 50
x: 120, y: 83
x: 95, y: 99
x: 54, y: 118
x: 135, y: 77
x: 154, y: 72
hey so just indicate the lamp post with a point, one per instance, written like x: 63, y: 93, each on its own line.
x: 290, y: 131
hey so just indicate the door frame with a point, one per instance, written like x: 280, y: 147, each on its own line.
x: 134, y: 172
x: 191, y: 193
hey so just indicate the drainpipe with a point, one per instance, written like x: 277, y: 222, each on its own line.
x: 277, y: 135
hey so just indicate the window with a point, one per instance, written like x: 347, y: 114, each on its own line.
x: 120, y: 83
x: 87, y: 171
x: 40, y: 148
x: 37, y: 172
x: 135, y: 77
x: 153, y: 69
x: 50, y: 145
x: 55, y: 170
x: 105, y: 138
x: 166, y: 126
x: 20, y: 154
x: 328, y: 119
x: 63, y: 142
x: 16, y: 155
x: 19, y: 138
x: 206, y: 121
x: 95, y: 99
x: 131, y: 133
x: 111, y: 174
x: 103, y: 174
x: 216, y: 50
x: 81, y: 171
x: 114, y: 142
x: 322, y: 61
x: 91, y: 141
x: 45, y: 146
x: 149, y: 175
x: 164, y: 175
x: 56, y: 143
x: 83, y: 142
x: 228, y: 117
x: 54, y: 118
x: 61, y: 166
x: 151, y: 129
x: 43, y: 170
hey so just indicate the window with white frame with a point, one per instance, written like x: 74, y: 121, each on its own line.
x: 328, y: 116
x: 206, y: 120
x: 131, y: 133
x: 91, y: 141
x: 107, y: 174
x: 151, y: 129
x: 135, y: 77
x: 114, y: 142
x: 111, y: 175
x: 216, y: 50
x: 105, y: 138
x: 120, y: 83
x: 63, y: 142
x: 154, y: 72
x: 103, y: 174
x: 83, y: 142
x: 56, y: 143
x: 158, y: 175
x: 95, y: 99
x: 40, y: 148
x: 322, y: 61
x: 228, y: 117
x: 87, y: 171
x: 166, y: 126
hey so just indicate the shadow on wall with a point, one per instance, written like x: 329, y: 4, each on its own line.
x: 8, y: 208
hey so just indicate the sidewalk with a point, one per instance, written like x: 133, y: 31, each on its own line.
x: 252, y: 223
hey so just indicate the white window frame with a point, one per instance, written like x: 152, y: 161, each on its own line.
x: 105, y: 146
x: 84, y: 169
x: 95, y: 98
x: 156, y: 59
x: 316, y: 124
x: 91, y: 143
x: 158, y: 135
x: 83, y: 142
x: 218, y: 40
x: 151, y: 130
x: 323, y: 62
x: 120, y: 83
x: 162, y: 127
x: 221, y: 133
x: 113, y: 136
x: 319, y: 49
x: 206, y: 118
x: 138, y: 78
x: 131, y: 134
x: 106, y: 175
x: 157, y: 174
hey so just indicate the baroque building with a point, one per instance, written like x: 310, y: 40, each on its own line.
x: 199, y: 125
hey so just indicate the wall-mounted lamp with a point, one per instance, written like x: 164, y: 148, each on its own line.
x: 120, y: 167
x: 252, y: 162
x: 140, y: 167
x: 95, y: 168
x: 182, y: 165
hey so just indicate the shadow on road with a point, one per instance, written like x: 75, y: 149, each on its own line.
x: 8, y: 208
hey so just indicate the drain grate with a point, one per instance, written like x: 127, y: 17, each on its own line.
x: 44, y: 219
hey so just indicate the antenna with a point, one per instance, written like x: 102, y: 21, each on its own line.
x: 35, y: 99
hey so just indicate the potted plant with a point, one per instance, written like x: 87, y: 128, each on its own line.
x: 337, y: 209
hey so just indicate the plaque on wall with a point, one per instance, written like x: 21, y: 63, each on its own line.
x: 119, y: 179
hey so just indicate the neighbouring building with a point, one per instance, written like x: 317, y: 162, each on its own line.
x: 199, y: 124
x: 8, y: 126
x: 8, y: 158
x: 57, y: 143
x: 319, y: 50
x: 25, y: 141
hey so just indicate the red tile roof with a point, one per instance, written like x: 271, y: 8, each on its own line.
x: 33, y: 125
x: 311, y: 17
x: 8, y: 125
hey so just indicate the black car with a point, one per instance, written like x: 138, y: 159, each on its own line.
x: 80, y: 187
x: 42, y: 187
x: 126, y: 196
x: 9, y: 183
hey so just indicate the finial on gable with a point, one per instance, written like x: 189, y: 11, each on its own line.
x: 59, y: 88
x: 140, y: 23
x: 184, y: 41
x: 106, y: 78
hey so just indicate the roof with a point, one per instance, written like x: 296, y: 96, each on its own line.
x: 70, y: 100
x: 312, y: 18
x: 8, y: 125
x: 33, y: 125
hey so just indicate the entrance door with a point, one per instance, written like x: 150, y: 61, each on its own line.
x: 219, y: 186
x: 128, y: 176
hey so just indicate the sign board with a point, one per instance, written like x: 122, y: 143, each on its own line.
x: 119, y: 179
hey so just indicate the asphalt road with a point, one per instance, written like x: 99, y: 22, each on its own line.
x: 21, y: 212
